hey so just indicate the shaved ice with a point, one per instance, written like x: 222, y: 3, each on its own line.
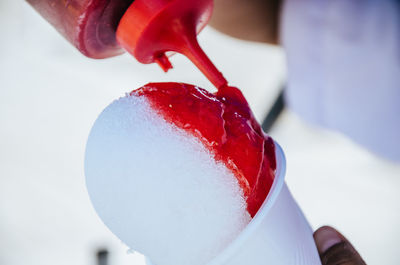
x: 177, y: 172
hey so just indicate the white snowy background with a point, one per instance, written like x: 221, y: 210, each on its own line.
x: 50, y: 96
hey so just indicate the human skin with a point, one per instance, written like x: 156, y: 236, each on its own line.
x: 252, y: 20
x: 335, y: 249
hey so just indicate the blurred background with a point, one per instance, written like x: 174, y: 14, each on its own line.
x: 50, y: 96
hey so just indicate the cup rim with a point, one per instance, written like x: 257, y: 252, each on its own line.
x: 276, y: 188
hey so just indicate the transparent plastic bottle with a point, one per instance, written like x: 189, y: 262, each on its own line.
x: 90, y: 25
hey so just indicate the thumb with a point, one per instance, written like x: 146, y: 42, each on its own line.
x: 335, y: 249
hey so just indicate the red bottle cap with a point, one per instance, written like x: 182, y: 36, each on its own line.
x: 150, y: 28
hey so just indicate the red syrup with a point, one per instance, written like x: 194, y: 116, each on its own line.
x: 222, y: 121
x: 225, y: 124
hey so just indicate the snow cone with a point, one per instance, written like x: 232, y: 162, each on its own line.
x: 188, y: 177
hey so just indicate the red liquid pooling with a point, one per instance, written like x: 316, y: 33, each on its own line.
x: 225, y: 124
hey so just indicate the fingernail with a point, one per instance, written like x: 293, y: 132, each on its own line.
x: 326, y: 237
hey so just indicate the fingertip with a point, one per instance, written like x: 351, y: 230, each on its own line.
x: 335, y: 249
x: 326, y: 237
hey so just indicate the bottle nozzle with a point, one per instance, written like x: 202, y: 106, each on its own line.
x: 149, y: 28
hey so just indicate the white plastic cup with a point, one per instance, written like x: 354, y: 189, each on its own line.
x: 279, y: 234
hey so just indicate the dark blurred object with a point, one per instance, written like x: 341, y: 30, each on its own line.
x: 102, y: 257
x: 274, y: 112
x: 89, y: 25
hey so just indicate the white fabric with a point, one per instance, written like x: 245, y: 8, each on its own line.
x: 344, y: 68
